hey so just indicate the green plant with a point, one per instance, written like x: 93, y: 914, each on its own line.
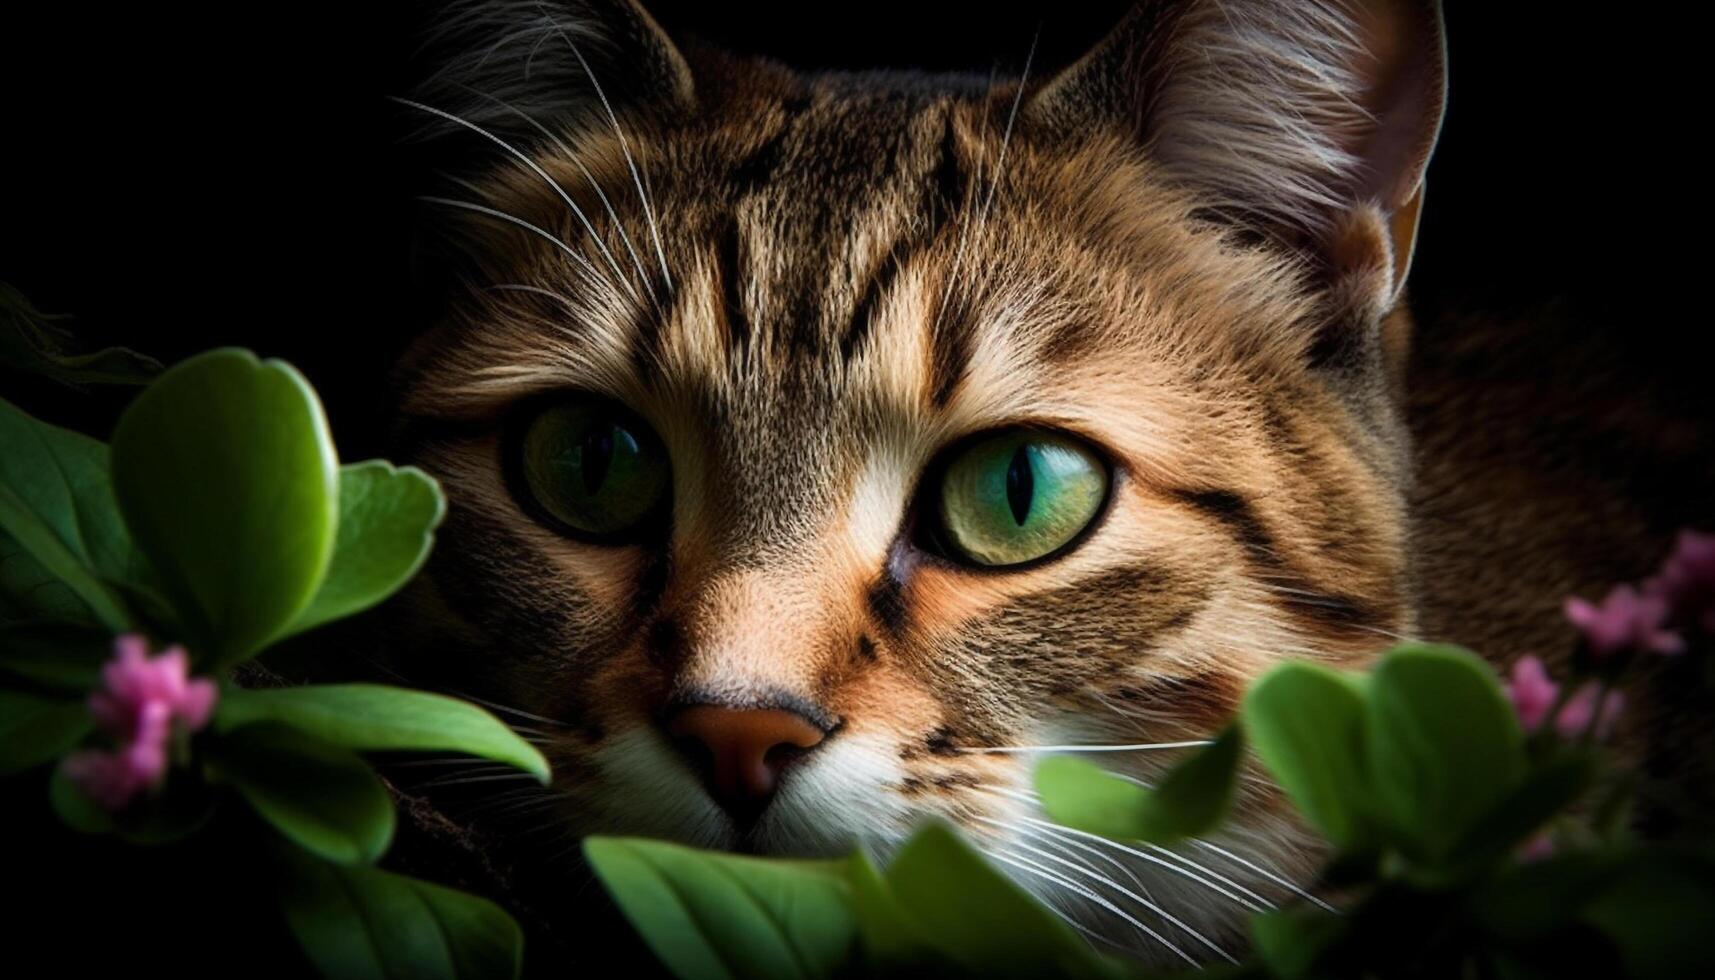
x: 220, y: 518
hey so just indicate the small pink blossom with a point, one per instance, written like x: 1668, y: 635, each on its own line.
x: 133, y: 679
x: 1531, y: 691
x: 1536, y: 849
x: 1687, y: 580
x: 1625, y: 620
x: 141, y: 699
x: 1576, y: 715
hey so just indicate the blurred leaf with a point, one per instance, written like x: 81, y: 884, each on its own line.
x: 374, y: 717
x: 977, y: 918
x: 1544, y: 792
x: 1307, y: 725
x: 54, y: 657
x: 318, y: 795
x: 35, y: 730
x: 892, y: 942
x: 1527, y: 902
x: 364, y: 922
x: 33, y: 343
x: 715, y: 915
x: 1659, y: 909
x: 226, y: 475
x: 387, y: 521
x: 59, y: 522
x: 1292, y: 940
x: 1445, y: 747
x: 1191, y: 799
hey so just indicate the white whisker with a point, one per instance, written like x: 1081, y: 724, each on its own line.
x: 1128, y: 893
x: 1139, y: 747
x: 624, y: 146
x: 1273, y: 876
x: 566, y: 152
x: 537, y: 169
x: 1031, y: 867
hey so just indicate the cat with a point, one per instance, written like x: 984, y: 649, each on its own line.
x: 821, y: 447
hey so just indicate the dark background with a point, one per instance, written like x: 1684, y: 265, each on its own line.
x: 179, y: 179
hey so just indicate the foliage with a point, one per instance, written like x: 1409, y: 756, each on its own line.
x: 220, y: 517
x: 1468, y: 835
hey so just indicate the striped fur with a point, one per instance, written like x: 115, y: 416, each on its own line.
x: 830, y: 279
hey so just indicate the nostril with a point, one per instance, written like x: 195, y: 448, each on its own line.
x: 740, y: 752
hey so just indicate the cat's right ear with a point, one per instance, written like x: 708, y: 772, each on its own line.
x: 1307, y: 123
x: 512, y: 66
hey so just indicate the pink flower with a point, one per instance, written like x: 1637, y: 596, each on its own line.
x: 1531, y: 691
x: 1625, y: 620
x: 1687, y: 580
x: 133, y: 679
x: 140, y: 700
x: 1576, y: 715
x: 1536, y: 849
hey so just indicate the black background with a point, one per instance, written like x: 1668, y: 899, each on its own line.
x: 181, y: 178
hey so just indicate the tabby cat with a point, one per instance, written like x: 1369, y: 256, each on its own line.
x: 822, y: 447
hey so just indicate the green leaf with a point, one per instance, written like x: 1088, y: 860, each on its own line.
x: 1293, y: 939
x: 892, y: 943
x: 59, y: 523
x: 320, y: 796
x: 977, y: 918
x: 32, y: 342
x: 706, y: 914
x: 387, y: 521
x: 34, y: 729
x: 54, y: 657
x: 226, y: 475
x: 366, y: 923
x: 374, y: 717
x: 1307, y: 725
x: 1658, y: 911
x: 1191, y: 799
x: 1544, y: 792
x: 1445, y: 746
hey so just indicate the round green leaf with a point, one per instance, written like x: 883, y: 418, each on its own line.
x: 978, y: 918
x: 375, y: 718
x: 319, y: 796
x: 387, y: 520
x: 62, y: 543
x: 364, y: 923
x: 721, y: 915
x: 1307, y: 725
x: 1445, y: 747
x: 1191, y: 798
x: 226, y: 475
x: 34, y: 729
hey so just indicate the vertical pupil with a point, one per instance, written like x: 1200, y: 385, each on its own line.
x: 595, y: 455
x: 1020, y: 485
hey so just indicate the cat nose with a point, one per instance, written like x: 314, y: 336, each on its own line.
x: 740, y: 751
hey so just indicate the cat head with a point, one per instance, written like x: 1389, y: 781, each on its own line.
x: 819, y: 447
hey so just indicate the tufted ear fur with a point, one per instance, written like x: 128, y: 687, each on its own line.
x: 561, y: 63
x: 1306, y: 123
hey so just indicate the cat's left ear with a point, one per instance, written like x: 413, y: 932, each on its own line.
x: 1307, y: 123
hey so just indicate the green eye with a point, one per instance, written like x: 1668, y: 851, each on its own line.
x: 592, y: 468
x: 1019, y: 495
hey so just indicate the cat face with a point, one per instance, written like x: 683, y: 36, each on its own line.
x: 820, y: 449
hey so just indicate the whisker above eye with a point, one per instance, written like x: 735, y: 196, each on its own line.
x: 624, y: 144
x: 1138, y: 747
x: 537, y: 169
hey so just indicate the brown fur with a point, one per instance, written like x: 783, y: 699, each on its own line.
x: 860, y: 271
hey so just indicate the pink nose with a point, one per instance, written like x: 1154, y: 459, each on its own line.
x: 741, y: 751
